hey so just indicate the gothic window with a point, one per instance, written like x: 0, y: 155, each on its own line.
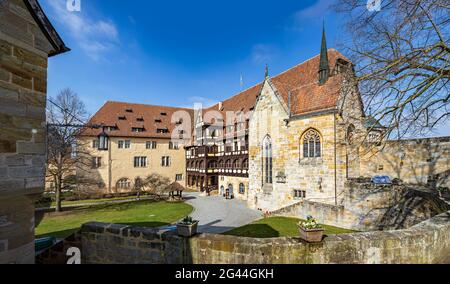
x: 350, y: 134
x: 267, y: 160
x: 312, y: 147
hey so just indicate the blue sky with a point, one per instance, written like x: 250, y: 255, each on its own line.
x: 182, y: 52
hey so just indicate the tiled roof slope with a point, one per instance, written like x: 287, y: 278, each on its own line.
x: 302, y: 80
x: 109, y: 115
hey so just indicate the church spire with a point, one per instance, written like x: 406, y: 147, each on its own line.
x: 324, y: 67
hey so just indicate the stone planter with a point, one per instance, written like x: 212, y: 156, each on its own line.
x: 311, y: 236
x: 187, y: 230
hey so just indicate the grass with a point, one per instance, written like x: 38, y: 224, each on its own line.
x: 142, y: 213
x: 274, y: 227
x: 90, y: 201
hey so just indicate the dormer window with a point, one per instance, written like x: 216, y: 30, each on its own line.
x: 158, y: 120
x: 140, y: 119
x: 164, y: 113
x: 122, y: 118
x: 162, y: 130
x: 137, y: 129
x: 129, y: 110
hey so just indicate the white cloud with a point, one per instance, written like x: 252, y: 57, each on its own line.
x: 93, y: 36
x: 205, y: 102
x: 263, y: 53
x: 318, y: 10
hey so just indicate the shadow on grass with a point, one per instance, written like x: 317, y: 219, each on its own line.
x: 254, y: 231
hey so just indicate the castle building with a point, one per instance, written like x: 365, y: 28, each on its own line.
x: 296, y: 136
x: 132, y: 142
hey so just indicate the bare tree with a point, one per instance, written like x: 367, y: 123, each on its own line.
x: 401, y: 55
x: 157, y: 184
x: 65, y: 115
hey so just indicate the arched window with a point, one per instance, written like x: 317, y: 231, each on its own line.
x: 245, y: 164
x: 221, y: 164
x: 124, y: 183
x: 350, y: 134
x: 201, y: 165
x: 312, y: 147
x: 212, y: 165
x: 138, y: 183
x: 236, y: 164
x: 267, y: 160
x: 241, y: 188
x: 228, y: 164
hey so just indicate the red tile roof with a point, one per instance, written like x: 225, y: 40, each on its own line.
x: 109, y: 115
x: 302, y: 80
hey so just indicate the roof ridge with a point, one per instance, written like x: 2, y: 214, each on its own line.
x: 149, y: 105
x: 285, y: 71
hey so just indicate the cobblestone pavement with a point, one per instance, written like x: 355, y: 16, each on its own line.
x: 218, y: 215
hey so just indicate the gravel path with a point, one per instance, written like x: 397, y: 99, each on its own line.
x: 218, y: 215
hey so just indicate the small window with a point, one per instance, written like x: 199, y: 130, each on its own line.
x: 158, y: 120
x: 165, y: 161
x: 164, y: 113
x: 129, y: 110
x: 298, y: 194
x: 96, y: 162
x: 162, y: 130
x: 173, y: 146
x: 179, y: 177
x: 137, y: 129
x: 242, y: 188
x: 140, y: 119
x: 95, y: 144
x: 140, y: 162
x: 124, y: 144
x: 150, y: 144
x: 122, y: 118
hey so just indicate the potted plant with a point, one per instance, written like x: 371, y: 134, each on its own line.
x: 310, y: 230
x: 187, y: 227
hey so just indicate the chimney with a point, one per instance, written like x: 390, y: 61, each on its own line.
x: 220, y: 106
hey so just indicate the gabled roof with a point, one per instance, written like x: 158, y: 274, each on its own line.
x: 302, y: 81
x: 148, y: 117
x: 46, y: 27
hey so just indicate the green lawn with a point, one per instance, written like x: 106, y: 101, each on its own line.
x: 142, y: 213
x: 65, y: 203
x: 278, y: 227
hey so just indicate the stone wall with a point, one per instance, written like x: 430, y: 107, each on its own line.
x: 366, y: 207
x: 23, y: 85
x: 427, y: 242
x: 414, y: 161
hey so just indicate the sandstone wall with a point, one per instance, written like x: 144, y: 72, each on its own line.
x: 427, y: 242
x: 413, y: 161
x: 322, y: 178
x: 365, y: 207
x: 23, y: 86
